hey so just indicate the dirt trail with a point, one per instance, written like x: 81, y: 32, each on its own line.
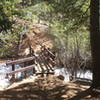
x: 49, y: 88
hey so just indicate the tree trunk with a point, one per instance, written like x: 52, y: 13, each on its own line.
x: 95, y: 41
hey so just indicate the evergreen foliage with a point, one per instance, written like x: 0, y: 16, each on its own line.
x: 69, y: 22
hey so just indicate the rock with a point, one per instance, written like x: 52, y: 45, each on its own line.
x: 61, y: 77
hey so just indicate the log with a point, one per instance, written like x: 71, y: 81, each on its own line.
x: 19, y: 61
x: 20, y: 70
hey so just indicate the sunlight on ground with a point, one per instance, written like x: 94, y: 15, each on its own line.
x: 47, y: 88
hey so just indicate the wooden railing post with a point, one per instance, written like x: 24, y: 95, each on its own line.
x: 25, y: 72
x: 34, y: 71
x: 13, y: 76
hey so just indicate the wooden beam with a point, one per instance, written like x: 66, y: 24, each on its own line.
x: 50, y: 52
x: 20, y: 70
x: 44, y: 73
x: 19, y: 61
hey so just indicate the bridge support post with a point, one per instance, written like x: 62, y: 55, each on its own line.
x: 13, y: 76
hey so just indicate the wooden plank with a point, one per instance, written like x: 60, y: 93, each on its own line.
x: 44, y: 73
x: 20, y: 70
x: 19, y: 61
x: 50, y: 52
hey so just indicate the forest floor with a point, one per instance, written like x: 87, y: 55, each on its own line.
x: 49, y: 88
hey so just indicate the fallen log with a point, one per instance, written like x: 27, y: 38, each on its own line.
x: 19, y: 61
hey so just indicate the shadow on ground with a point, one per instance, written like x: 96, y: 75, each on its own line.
x: 45, y: 89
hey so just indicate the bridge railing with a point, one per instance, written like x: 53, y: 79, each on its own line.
x: 19, y: 61
x: 26, y: 68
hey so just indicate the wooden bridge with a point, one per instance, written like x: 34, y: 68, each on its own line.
x: 42, y: 64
